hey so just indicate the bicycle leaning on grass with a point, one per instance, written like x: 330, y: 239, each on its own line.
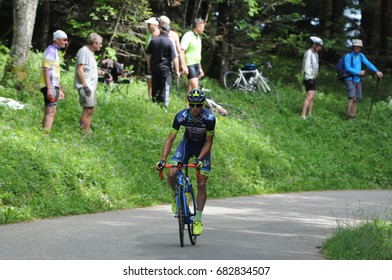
x: 220, y: 108
x: 250, y: 79
x: 185, y: 200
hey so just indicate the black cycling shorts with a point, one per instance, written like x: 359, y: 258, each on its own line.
x: 193, y: 71
x: 310, y: 85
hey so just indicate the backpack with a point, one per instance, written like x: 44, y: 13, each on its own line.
x: 341, y: 72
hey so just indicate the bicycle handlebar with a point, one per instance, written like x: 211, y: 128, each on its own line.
x: 179, y: 166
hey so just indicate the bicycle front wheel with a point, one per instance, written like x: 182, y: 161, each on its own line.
x: 231, y: 80
x: 192, y: 212
x: 266, y: 88
x: 180, y: 209
x: 182, y: 85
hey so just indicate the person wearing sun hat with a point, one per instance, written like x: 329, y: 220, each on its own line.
x: 50, y: 78
x: 153, y: 31
x: 353, y: 65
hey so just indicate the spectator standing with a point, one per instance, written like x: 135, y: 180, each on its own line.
x: 353, y: 65
x: 310, y: 68
x: 160, y: 56
x: 191, y: 45
x: 86, y: 79
x: 153, y: 31
x: 50, y: 78
x: 164, y: 20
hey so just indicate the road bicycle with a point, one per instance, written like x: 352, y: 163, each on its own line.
x: 185, y: 200
x: 251, y: 80
x: 223, y: 108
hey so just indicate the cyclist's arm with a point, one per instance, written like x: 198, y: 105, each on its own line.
x: 207, y: 147
x: 168, y: 144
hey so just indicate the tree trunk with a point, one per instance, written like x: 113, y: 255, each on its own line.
x: 222, y: 51
x: 386, y: 23
x: 370, y: 24
x: 43, y: 28
x: 24, y: 12
x: 327, y: 23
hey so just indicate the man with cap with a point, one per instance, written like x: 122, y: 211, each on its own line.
x: 161, y: 56
x: 153, y: 31
x: 50, y: 78
x: 353, y: 64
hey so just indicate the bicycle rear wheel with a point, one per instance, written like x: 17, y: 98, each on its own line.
x: 192, y: 212
x: 266, y: 88
x: 231, y: 80
x: 182, y: 85
x: 180, y: 209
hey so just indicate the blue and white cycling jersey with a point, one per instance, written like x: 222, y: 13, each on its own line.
x: 195, y: 131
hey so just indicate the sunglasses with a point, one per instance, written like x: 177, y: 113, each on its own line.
x: 195, y: 105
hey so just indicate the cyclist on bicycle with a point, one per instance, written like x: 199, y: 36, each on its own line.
x: 197, y: 141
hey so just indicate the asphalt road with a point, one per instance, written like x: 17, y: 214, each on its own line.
x: 268, y: 227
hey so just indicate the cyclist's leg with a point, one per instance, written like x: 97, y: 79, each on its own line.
x: 202, y: 185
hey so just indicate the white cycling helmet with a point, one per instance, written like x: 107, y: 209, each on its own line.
x: 316, y: 40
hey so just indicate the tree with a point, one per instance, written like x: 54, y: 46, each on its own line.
x: 24, y: 12
x: 117, y: 21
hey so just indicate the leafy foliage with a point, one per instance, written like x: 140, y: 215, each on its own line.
x: 117, y: 21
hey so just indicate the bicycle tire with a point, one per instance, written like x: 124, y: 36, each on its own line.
x: 180, y: 216
x: 182, y: 85
x: 233, y: 111
x: 231, y: 80
x: 266, y: 88
x: 192, y: 212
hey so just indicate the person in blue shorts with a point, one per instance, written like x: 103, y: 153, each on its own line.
x: 353, y: 64
x: 197, y: 141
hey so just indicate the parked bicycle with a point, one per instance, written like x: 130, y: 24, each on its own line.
x: 185, y: 200
x: 250, y: 79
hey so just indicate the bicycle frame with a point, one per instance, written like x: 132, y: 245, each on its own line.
x: 184, y: 213
x: 219, y: 108
x: 184, y: 185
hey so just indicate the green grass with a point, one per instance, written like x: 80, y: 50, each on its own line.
x: 270, y: 150
x: 372, y: 240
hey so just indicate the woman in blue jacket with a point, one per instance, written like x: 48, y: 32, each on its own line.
x: 353, y: 64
